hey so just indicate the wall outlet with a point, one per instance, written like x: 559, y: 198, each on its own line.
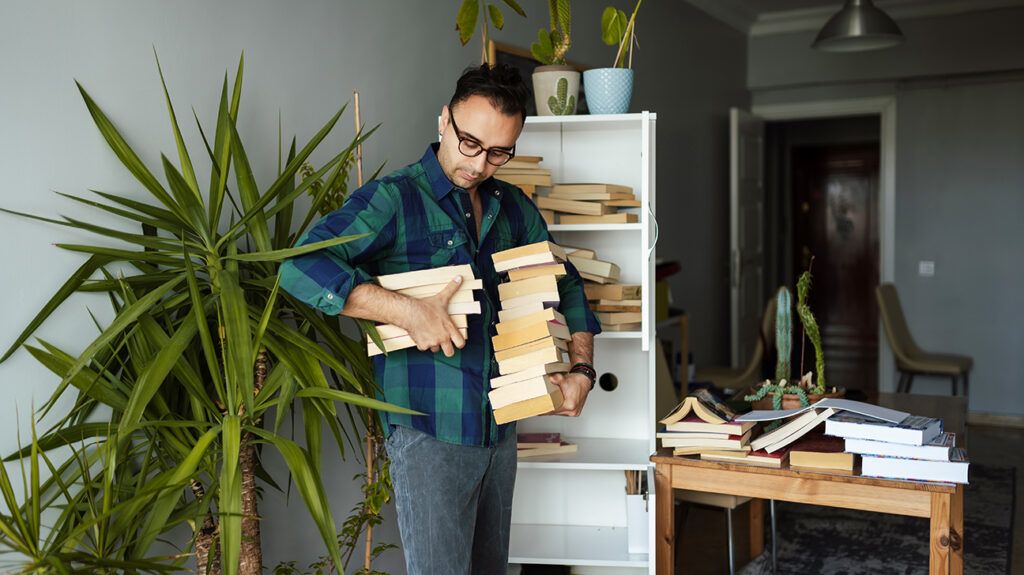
x: 925, y: 269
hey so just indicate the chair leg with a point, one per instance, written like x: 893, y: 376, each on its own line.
x: 910, y: 381
x: 903, y: 381
x: 966, y: 393
x: 953, y: 392
x: 728, y: 526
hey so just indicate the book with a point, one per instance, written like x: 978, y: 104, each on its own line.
x: 700, y: 450
x: 530, y: 347
x: 535, y: 332
x: 525, y: 160
x: 835, y: 403
x: 390, y: 331
x: 508, y: 315
x: 544, y: 247
x: 788, y: 433
x: 397, y: 343
x: 615, y: 308
x: 693, y: 423
x: 532, y: 299
x: 938, y: 449
x: 519, y: 274
x: 529, y: 408
x: 603, y: 197
x: 623, y: 203
x: 465, y: 307
x: 544, y: 314
x: 819, y: 451
x: 615, y: 318
x: 623, y: 327
x: 623, y: 302
x: 704, y: 405
x: 698, y: 434
x: 759, y: 458
x: 535, y: 370
x: 441, y: 275
x: 528, y: 440
x: 589, y: 188
x: 952, y: 471
x: 612, y: 291
x: 521, y: 391
x: 562, y: 448
x: 579, y: 252
x: 548, y: 216
x: 521, y: 171
x: 596, y: 278
x: 595, y: 267
x: 527, y: 179
x: 573, y: 206
x: 429, y: 290
x: 618, y: 218
x: 912, y: 430
x: 539, y: 284
x: 550, y: 354
x: 539, y: 258
x: 684, y: 440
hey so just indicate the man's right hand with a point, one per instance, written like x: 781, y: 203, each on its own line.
x: 429, y: 324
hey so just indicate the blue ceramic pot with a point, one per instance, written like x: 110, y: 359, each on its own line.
x: 608, y: 90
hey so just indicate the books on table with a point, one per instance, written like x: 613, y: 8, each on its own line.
x: 817, y: 451
x: 704, y: 405
x: 759, y: 458
x: 532, y: 336
x: 702, y: 423
x: 911, y: 430
x: 421, y: 284
x: 938, y: 449
x: 791, y: 431
x: 952, y: 471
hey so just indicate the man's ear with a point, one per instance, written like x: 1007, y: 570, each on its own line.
x: 442, y: 122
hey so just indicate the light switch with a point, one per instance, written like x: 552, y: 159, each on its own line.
x: 925, y: 269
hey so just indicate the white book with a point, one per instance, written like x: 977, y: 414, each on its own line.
x: 938, y: 449
x: 462, y: 308
x: 913, y: 430
x: 521, y: 391
x: 530, y: 372
x: 429, y: 290
x: 528, y: 299
x: 952, y: 471
x: 787, y: 434
x: 835, y: 403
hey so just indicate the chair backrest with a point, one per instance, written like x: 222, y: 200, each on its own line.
x: 896, y: 329
x: 752, y: 371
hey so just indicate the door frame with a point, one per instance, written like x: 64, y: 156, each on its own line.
x: 885, y: 108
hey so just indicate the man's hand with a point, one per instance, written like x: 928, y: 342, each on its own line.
x: 429, y: 324
x: 575, y: 388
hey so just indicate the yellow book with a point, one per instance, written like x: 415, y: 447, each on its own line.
x: 615, y: 318
x: 521, y: 391
x: 424, y: 291
x: 557, y: 270
x: 545, y: 314
x: 602, y: 197
x: 389, y: 330
x: 530, y: 372
x: 514, y: 313
x: 528, y: 179
x: 623, y: 327
x: 612, y: 291
x: 549, y: 354
x: 596, y: 267
x: 530, y: 299
x: 440, y: 275
x: 619, y: 218
x: 623, y: 203
x: 518, y: 288
x: 529, y: 334
x: 589, y: 188
x: 573, y: 206
x: 596, y: 278
x: 529, y: 347
x: 397, y: 343
x: 529, y: 408
x: 529, y: 250
x: 615, y: 308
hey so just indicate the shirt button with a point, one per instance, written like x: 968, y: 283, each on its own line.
x: 468, y: 214
x: 330, y: 296
x: 450, y: 242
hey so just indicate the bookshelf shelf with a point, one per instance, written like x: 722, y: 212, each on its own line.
x: 596, y: 454
x: 595, y: 227
x: 583, y: 545
x: 619, y: 335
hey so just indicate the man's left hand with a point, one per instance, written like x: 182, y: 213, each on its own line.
x: 575, y: 387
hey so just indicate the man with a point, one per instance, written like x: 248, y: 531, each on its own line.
x: 453, y: 467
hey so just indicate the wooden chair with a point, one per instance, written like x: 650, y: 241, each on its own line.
x: 742, y: 378
x: 728, y: 503
x: 911, y: 360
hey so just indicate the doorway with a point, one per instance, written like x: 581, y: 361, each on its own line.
x: 822, y: 198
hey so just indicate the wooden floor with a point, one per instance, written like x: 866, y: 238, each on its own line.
x: 988, y: 446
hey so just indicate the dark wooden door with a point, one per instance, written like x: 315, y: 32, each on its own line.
x: 835, y: 200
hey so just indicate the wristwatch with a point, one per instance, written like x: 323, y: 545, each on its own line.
x: 587, y: 370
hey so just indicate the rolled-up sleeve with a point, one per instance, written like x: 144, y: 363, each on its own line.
x: 573, y: 298
x: 324, y: 279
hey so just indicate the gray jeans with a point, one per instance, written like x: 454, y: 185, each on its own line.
x: 454, y: 503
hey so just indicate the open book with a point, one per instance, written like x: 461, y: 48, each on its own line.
x: 860, y: 407
x: 705, y: 405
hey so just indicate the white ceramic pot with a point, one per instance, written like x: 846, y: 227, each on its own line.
x: 556, y: 90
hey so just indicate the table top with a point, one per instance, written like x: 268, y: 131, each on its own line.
x: 664, y: 456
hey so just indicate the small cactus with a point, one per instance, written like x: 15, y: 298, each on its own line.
x: 783, y: 333
x: 563, y: 105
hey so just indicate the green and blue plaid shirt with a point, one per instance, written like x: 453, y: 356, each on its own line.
x: 418, y: 219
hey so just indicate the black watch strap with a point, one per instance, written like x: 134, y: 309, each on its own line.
x: 587, y: 370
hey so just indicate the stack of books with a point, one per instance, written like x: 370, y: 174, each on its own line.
x: 532, y: 336
x: 590, y: 203
x: 423, y: 284
x: 526, y: 173
x: 616, y: 306
x: 702, y: 424
x: 537, y: 444
x: 915, y: 448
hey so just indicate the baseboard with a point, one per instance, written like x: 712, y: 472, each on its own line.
x: 995, y: 419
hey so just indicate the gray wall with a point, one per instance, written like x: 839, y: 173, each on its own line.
x: 959, y: 179
x: 303, y: 60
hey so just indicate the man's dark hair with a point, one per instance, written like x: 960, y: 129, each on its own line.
x: 501, y: 85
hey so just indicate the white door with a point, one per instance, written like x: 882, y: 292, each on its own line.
x: 746, y: 231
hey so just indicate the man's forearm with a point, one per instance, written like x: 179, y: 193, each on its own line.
x: 581, y: 348
x: 372, y: 302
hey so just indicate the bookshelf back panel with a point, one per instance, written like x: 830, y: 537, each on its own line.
x: 570, y: 497
x: 622, y: 248
x: 604, y: 153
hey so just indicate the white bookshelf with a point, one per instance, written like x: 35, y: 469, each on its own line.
x: 571, y: 509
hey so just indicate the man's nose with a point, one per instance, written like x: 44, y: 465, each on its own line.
x: 480, y: 162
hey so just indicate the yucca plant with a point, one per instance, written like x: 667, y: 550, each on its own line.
x: 202, y: 348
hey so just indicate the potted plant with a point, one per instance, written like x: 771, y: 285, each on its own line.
x: 782, y: 393
x: 556, y: 85
x: 609, y: 90
x: 468, y: 15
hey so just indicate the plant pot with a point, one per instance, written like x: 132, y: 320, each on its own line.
x: 792, y: 400
x: 609, y: 90
x: 556, y: 90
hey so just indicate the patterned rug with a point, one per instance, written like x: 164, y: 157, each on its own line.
x: 832, y: 541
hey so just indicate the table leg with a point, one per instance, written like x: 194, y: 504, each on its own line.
x: 664, y: 520
x: 946, y: 546
x: 756, y: 527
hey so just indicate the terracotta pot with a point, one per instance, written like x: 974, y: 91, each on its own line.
x: 792, y: 400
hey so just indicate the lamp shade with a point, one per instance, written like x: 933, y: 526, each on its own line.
x: 857, y: 27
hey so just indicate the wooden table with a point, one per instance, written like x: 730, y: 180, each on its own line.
x: 942, y: 503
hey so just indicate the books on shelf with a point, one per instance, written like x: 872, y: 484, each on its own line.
x: 952, y: 471
x: 612, y: 291
x: 528, y: 440
x: 911, y: 430
x: 573, y: 206
x: 579, y: 252
x: 592, y: 267
x: 548, y: 216
x: 940, y: 448
x: 589, y: 188
x: 528, y: 179
x: 819, y: 451
x: 616, y: 318
x: 619, y: 218
x: 531, y: 335
x: 536, y: 449
x: 623, y: 327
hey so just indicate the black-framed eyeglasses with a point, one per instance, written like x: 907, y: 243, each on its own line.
x: 472, y: 148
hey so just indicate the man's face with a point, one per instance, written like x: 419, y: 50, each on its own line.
x: 481, y: 125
